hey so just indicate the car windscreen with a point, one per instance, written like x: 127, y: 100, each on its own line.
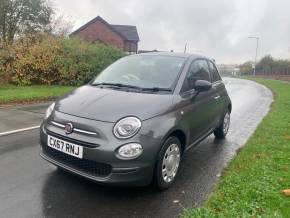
x: 144, y: 71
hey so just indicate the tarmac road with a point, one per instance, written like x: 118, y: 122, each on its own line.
x: 31, y: 187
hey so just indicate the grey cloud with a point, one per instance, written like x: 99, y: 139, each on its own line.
x: 216, y: 28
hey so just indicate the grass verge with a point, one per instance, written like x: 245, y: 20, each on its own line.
x: 252, y: 184
x: 20, y: 94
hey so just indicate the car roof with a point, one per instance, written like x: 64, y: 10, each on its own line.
x: 174, y: 54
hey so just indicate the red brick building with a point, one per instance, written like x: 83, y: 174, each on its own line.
x: 124, y: 37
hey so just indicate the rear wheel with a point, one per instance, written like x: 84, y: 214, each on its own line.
x: 167, y: 163
x: 223, y: 128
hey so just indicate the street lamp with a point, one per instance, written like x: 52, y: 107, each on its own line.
x: 257, y: 38
x: 185, y: 47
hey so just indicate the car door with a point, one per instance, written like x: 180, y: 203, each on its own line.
x: 218, y: 89
x: 198, y: 107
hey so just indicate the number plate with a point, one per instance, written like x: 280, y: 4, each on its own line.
x: 65, y: 147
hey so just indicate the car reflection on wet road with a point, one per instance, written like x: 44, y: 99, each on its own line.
x: 30, y: 187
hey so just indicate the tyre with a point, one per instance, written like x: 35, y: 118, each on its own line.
x: 222, y: 130
x: 167, y: 163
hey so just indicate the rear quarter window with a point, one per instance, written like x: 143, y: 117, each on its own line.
x: 214, y: 72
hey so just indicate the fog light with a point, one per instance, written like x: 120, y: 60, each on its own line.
x: 130, y: 151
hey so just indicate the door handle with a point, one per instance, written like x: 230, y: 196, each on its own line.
x: 217, y: 97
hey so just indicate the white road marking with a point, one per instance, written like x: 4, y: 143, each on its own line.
x: 18, y: 130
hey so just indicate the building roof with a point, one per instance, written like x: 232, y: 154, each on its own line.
x: 127, y: 32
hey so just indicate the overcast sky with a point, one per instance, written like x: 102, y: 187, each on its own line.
x: 216, y: 28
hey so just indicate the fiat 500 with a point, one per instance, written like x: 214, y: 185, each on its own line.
x: 132, y: 123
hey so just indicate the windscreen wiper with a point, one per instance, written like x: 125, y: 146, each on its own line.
x: 120, y: 85
x: 117, y: 85
x: 157, y: 89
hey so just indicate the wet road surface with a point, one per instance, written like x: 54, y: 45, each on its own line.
x: 30, y: 187
x: 18, y: 117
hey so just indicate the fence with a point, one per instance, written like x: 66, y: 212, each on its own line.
x: 275, y: 73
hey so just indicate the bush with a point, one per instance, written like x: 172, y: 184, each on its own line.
x: 267, y: 65
x: 47, y: 59
x: 4, y: 77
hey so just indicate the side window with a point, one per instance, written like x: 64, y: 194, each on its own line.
x: 214, y: 72
x: 198, y: 71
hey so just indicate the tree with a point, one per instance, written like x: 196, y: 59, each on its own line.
x: 246, y: 68
x: 270, y: 65
x: 266, y: 64
x: 19, y: 17
x: 60, y: 25
x: 267, y: 60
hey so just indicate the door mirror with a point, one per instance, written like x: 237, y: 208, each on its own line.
x: 202, y: 85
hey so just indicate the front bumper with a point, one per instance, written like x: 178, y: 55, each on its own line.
x: 134, y: 176
x: 100, y: 163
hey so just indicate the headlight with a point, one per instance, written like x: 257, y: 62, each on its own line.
x: 127, y: 127
x: 49, y: 110
x: 130, y: 151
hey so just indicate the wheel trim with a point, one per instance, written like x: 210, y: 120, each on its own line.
x: 170, y: 163
x: 226, y: 123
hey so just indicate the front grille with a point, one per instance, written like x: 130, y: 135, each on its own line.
x: 87, y: 166
x: 75, y: 141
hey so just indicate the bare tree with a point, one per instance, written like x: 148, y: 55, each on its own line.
x: 18, y: 17
x: 61, y: 25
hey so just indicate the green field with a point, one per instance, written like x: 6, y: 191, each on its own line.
x: 252, y: 184
x: 20, y: 94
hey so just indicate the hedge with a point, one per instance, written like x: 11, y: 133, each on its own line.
x: 49, y: 60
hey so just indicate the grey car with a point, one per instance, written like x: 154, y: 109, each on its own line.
x: 132, y: 124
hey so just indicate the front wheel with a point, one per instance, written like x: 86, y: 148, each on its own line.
x: 168, y: 162
x: 222, y: 130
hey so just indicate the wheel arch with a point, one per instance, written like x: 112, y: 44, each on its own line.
x: 230, y: 107
x: 180, y: 134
